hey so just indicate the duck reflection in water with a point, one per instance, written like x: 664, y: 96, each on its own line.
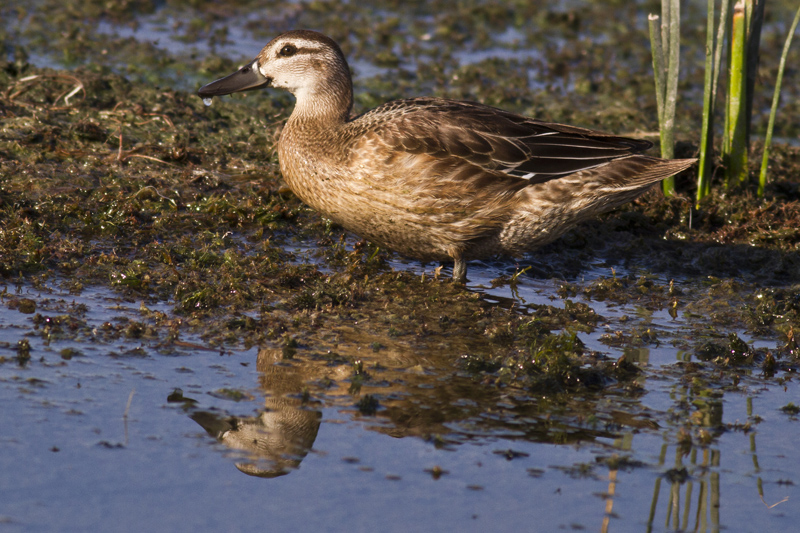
x: 277, y: 440
x: 421, y: 395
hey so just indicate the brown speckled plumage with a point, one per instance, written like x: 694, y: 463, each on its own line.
x: 438, y: 179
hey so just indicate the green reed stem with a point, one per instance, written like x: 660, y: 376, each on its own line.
x: 722, y: 31
x: 735, y: 146
x: 665, y: 42
x: 754, y: 15
x: 713, y: 50
x: 762, y: 178
x: 671, y: 96
x: 658, y: 64
x: 707, y: 128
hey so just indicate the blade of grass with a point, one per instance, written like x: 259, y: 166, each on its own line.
x: 666, y: 62
x: 735, y: 154
x: 673, y: 68
x: 671, y: 96
x: 658, y: 64
x: 722, y: 31
x: 707, y: 128
x: 755, y: 21
x: 762, y: 178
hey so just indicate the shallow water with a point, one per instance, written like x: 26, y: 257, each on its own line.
x: 72, y: 459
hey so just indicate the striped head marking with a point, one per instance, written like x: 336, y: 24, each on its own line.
x: 302, y: 61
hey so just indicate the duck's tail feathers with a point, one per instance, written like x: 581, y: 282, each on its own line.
x: 637, y: 172
x: 599, y: 189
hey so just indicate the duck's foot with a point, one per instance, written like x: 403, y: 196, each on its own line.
x: 460, y: 271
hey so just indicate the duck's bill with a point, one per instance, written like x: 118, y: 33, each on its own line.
x: 246, y: 78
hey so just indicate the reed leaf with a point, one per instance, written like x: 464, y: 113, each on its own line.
x: 707, y: 128
x: 762, y: 178
x: 735, y: 143
x: 665, y: 42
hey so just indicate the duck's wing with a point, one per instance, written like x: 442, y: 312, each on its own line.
x: 496, y: 140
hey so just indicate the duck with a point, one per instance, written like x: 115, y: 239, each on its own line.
x: 437, y: 179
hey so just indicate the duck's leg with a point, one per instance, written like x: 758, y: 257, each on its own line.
x: 459, y: 270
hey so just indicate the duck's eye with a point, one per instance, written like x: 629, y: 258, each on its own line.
x: 288, y: 50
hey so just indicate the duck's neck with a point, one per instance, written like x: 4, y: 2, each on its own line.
x: 326, y: 105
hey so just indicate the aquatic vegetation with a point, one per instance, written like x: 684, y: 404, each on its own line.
x: 665, y: 41
x: 762, y: 178
x: 176, y: 254
x: 740, y: 26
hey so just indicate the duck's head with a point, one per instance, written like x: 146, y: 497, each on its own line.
x: 303, y: 62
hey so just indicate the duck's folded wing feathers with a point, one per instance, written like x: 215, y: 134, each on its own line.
x: 500, y: 141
